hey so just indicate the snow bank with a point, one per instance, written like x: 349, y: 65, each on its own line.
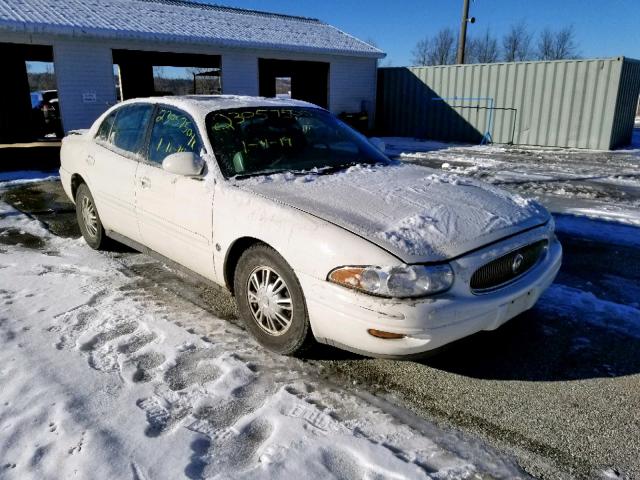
x: 101, y: 378
x: 598, y: 184
x: 582, y: 306
x: 21, y: 177
x: 598, y: 230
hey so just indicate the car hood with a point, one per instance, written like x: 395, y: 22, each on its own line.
x: 418, y: 214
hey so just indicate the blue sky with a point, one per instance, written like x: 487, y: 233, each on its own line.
x: 604, y: 28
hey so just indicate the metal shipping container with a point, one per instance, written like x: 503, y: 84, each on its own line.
x: 565, y: 103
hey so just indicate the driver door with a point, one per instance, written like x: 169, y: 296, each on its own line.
x: 174, y: 211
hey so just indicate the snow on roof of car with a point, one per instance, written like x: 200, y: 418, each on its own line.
x: 200, y: 105
x: 179, y: 21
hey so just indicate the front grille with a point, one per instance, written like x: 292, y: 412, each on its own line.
x: 507, y: 268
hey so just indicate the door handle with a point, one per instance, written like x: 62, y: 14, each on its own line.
x: 90, y: 159
x: 144, y: 182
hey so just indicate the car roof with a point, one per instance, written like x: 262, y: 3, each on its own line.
x: 201, y: 105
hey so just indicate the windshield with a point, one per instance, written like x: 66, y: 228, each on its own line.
x: 261, y: 140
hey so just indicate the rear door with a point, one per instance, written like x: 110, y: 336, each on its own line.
x: 114, y: 162
x: 174, y: 211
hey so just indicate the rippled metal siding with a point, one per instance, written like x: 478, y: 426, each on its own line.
x: 625, y: 115
x: 567, y: 103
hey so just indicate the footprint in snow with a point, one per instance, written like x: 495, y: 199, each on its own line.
x: 144, y: 366
x: 162, y: 416
x: 192, y: 367
x: 234, y: 453
x: 136, y: 342
x: 102, y: 338
x: 341, y: 464
x: 215, y: 420
x: 219, y: 413
x: 76, y: 324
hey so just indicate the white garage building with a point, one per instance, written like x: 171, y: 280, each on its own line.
x: 249, y: 49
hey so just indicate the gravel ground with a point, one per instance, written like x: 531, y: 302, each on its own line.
x: 561, y: 395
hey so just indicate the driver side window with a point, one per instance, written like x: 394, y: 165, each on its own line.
x: 173, y: 131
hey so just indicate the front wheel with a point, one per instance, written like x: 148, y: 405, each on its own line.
x: 270, y: 301
x: 88, y: 219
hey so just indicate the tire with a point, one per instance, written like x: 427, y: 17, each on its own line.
x: 88, y: 219
x: 266, y: 310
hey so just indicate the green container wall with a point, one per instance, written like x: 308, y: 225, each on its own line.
x: 567, y: 103
x: 625, y: 114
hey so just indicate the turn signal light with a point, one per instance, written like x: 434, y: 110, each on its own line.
x: 385, y: 335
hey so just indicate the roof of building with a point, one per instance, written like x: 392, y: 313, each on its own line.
x: 179, y: 21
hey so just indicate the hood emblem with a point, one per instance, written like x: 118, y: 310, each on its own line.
x: 517, y: 263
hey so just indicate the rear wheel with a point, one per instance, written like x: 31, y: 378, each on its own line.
x: 88, y: 219
x: 271, y: 302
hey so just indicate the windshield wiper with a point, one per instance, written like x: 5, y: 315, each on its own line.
x: 335, y: 168
x: 329, y: 169
x: 273, y: 171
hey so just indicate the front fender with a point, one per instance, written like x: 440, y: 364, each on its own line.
x: 311, y: 245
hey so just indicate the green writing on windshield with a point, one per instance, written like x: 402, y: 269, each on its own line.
x: 231, y: 119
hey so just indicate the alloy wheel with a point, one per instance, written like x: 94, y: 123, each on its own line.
x: 270, y: 301
x: 89, y: 216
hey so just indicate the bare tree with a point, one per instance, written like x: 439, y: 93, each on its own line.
x: 483, y: 49
x: 439, y: 50
x: 557, y: 45
x: 566, y: 46
x: 444, y: 45
x: 421, y: 52
x: 516, y: 43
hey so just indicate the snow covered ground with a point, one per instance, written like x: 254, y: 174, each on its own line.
x: 595, y: 184
x: 102, y: 380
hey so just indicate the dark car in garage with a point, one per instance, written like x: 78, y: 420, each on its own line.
x: 46, y: 112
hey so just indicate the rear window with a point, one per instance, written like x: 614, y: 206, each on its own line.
x: 105, y: 127
x: 127, y: 129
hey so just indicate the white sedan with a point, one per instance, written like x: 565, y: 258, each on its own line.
x: 312, y: 228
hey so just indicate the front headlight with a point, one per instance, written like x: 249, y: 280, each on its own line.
x: 395, y: 282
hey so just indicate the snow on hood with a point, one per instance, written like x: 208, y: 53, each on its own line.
x: 416, y: 213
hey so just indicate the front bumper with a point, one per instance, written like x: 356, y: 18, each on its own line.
x: 341, y: 317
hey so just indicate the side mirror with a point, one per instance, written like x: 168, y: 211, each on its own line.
x: 378, y: 143
x: 183, y: 163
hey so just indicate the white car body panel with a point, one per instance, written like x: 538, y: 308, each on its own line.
x: 196, y: 222
x: 175, y: 217
x: 465, y: 214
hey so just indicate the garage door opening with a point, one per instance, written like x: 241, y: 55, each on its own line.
x: 283, y: 87
x: 146, y: 74
x: 308, y: 81
x: 30, y: 108
x: 186, y: 80
x: 45, y: 107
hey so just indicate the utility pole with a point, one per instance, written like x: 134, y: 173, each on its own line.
x: 462, y: 40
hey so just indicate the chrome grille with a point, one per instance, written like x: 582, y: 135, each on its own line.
x: 507, y: 268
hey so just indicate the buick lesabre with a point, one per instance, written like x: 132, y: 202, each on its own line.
x: 313, y: 229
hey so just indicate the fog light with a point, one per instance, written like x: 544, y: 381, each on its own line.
x: 385, y: 335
